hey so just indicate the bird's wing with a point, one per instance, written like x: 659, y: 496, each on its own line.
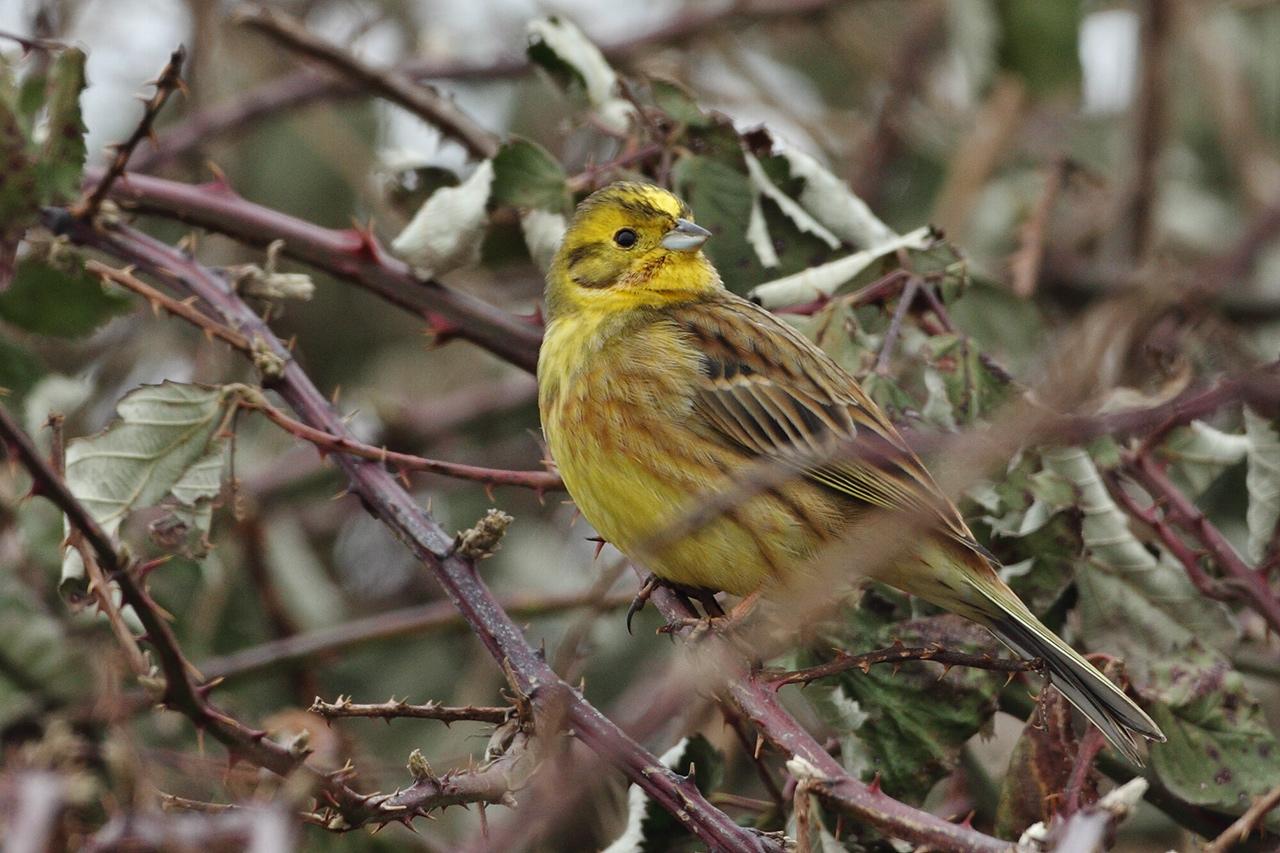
x: 766, y: 389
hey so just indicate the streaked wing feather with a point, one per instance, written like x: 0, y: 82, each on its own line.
x: 769, y: 391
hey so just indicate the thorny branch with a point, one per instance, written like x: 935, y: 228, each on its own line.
x: 352, y: 255
x: 1239, y: 579
x: 897, y: 654
x: 169, y: 81
x: 400, y: 708
x: 539, y: 481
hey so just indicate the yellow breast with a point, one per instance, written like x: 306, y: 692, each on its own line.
x: 617, y: 411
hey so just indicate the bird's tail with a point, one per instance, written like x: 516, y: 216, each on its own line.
x: 1105, y: 704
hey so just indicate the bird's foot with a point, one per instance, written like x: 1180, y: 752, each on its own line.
x: 695, y: 627
x: 716, y: 621
x: 686, y: 595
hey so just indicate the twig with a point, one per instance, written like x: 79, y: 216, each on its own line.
x: 539, y: 481
x: 408, y: 621
x: 161, y: 301
x: 386, y: 500
x: 1090, y: 745
x: 394, y: 709
x: 415, y: 96
x: 1253, y: 816
x: 169, y: 81
x: 1151, y: 108
x: 897, y: 654
x: 352, y: 255
x: 172, y: 802
x: 907, y: 297
x: 1024, y: 264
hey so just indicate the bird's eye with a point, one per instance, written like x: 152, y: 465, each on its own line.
x: 626, y: 238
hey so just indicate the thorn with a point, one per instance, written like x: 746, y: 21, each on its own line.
x: 600, y: 543
x: 145, y: 569
x: 874, y: 785
x: 755, y: 754
x: 365, y: 244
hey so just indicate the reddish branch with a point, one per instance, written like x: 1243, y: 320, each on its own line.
x: 395, y: 709
x: 160, y: 301
x: 1250, y: 586
x: 539, y: 481
x: 169, y: 81
x: 389, y: 502
x: 897, y: 654
x: 413, y: 95
x: 353, y: 255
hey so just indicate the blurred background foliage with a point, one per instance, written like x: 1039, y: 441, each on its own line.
x: 1104, y: 181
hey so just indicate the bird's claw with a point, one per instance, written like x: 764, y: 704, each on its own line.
x: 642, y: 598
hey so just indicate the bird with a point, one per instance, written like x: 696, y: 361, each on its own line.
x: 657, y: 386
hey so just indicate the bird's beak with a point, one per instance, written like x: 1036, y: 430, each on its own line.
x: 685, y: 237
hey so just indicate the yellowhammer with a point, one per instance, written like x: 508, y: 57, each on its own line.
x: 656, y: 385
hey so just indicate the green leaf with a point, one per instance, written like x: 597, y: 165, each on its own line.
x: 1221, y: 752
x: 185, y: 529
x: 19, y: 371
x: 1038, y: 42
x: 49, y: 301
x: 166, y: 438
x: 62, y: 161
x: 1200, y: 453
x: 721, y: 198
x: 525, y: 175
x: 1262, y: 481
x: 651, y: 828
x: 578, y: 67
x: 18, y: 196
x: 914, y: 723
x: 678, y: 103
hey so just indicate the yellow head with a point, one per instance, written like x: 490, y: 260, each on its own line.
x: 629, y: 245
